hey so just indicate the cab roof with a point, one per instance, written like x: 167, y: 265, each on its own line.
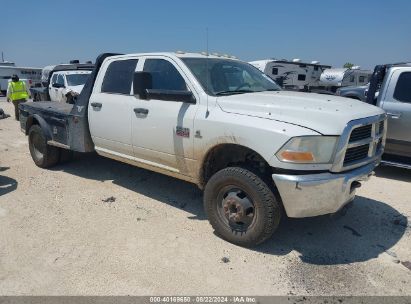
x: 181, y: 54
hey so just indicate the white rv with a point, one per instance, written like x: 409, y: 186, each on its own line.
x: 332, y: 79
x: 293, y: 75
x: 7, y: 69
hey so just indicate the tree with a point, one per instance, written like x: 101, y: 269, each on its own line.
x: 348, y: 65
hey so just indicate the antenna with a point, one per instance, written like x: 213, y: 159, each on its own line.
x: 207, y: 72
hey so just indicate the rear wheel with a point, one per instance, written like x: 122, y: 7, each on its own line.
x: 43, y: 155
x: 241, y: 207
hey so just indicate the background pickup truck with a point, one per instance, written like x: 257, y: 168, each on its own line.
x: 222, y: 124
x: 355, y: 92
x: 392, y: 84
x: 64, y: 82
x: 58, y: 80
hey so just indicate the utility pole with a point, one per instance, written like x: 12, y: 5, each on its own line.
x: 2, y: 57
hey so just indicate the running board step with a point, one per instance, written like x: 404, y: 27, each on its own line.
x: 57, y: 144
x: 395, y: 164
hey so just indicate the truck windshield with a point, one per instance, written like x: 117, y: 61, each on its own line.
x: 76, y: 79
x: 227, y: 77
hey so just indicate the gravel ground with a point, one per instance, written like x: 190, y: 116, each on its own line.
x: 95, y: 226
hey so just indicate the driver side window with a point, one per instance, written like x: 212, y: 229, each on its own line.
x: 164, y: 75
x: 60, y: 79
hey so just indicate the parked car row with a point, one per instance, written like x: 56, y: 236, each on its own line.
x: 311, y: 76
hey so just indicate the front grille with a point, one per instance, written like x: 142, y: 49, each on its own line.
x: 361, y: 133
x: 364, y: 143
x: 356, y: 153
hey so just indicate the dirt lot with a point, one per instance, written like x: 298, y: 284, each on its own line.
x: 61, y: 234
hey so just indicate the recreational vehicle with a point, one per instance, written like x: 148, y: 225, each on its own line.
x: 292, y: 75
x: 7, y: 69
x: 332, y: 79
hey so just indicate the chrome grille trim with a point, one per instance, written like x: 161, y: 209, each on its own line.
x: 360, y: 133
x: 376, y: 142
x: 356, y: 153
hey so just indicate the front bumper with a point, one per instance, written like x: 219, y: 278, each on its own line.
x: 318, y: 194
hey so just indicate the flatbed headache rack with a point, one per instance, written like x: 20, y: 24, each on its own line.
x: 66, y: 124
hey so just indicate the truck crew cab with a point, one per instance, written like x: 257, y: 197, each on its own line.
x: 222, y: 124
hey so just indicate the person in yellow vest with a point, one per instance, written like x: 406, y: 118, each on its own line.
x: 17, y: 92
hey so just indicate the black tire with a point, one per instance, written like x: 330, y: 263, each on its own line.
x: 43, y: 155
x: 266, y: 210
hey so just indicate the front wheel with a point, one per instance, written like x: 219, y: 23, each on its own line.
x: 241, y: 207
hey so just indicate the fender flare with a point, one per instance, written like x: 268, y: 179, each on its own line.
x: 37, y: 119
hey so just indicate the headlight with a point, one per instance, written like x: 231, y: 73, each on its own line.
x: 308, y: 150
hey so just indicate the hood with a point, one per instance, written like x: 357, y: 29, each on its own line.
x: 326, y: 114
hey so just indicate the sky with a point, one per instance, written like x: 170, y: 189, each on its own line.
x: 365, y: 33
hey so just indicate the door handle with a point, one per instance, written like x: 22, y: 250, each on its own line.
x: 96, y: 105
x: 141, y: 111
x: 394, y: 115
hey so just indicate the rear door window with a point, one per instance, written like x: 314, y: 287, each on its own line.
x: 119, y: 77
x: 403, y: 88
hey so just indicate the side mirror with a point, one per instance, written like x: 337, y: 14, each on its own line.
x: 142, y: 82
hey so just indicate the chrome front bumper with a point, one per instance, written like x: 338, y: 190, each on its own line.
x: 318, y: 194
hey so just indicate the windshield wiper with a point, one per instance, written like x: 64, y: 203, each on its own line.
x: 222, y: 93
x: 271, y: 90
